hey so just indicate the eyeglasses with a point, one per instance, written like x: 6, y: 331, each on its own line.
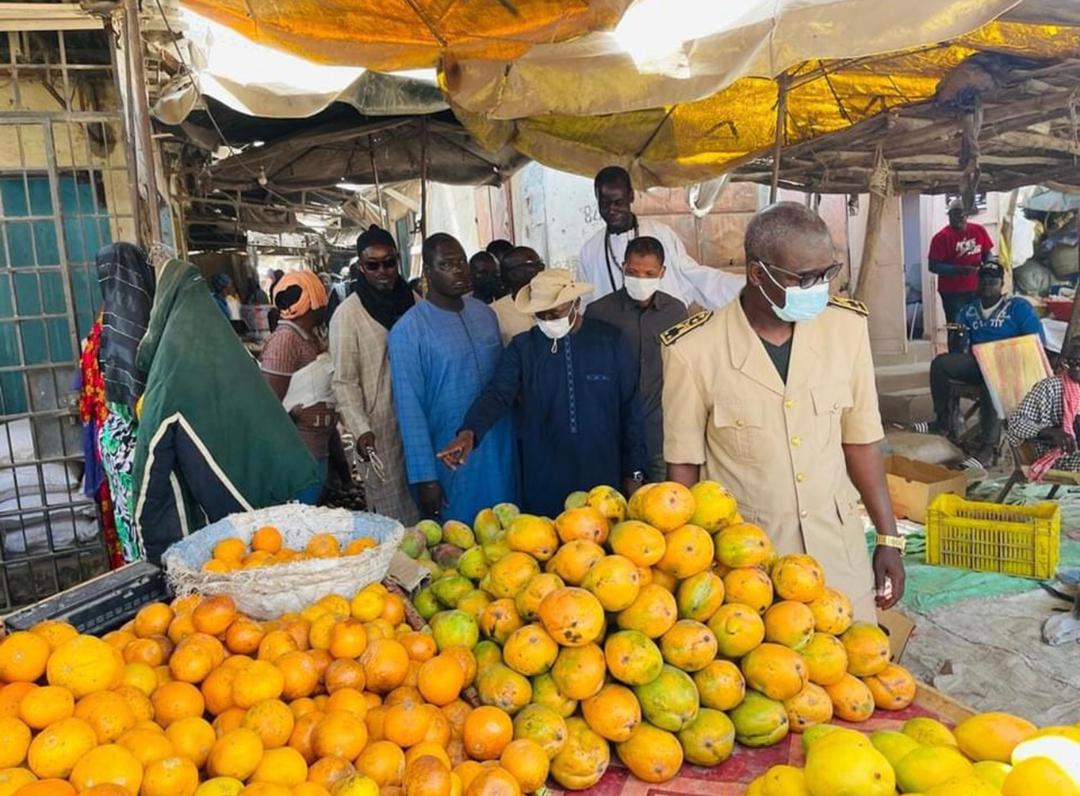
x: 527, y: 265
x: 806, y: 279
x: 387, y: 263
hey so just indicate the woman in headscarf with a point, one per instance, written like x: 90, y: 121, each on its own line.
x: 358, y: 332
x: 294, y: 348
x: 112, y: 383
x: 221, y: 285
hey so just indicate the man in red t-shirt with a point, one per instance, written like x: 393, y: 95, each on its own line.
x: 956, y: 252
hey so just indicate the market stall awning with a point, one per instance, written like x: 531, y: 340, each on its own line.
x: 409, y: 34
x: 560, y: 104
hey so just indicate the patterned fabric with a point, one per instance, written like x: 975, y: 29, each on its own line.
x: 439, y: 363
x: 365, y: 400
x: 1013, y: 317
x: 288, y: 350
x: 92, y: 398
x: 126, y: 280
x: 1042, y: 408
x: 107, y: 522
x: 116, y: 440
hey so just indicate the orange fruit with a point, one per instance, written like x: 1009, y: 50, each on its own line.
x: 181, y: 627
x: 16, y: 737
x: 357, y: 546
x: 108, y: 713
x: 303, y: 734
x: 192, y: 737
x: 57, y: 748
x: 467, y: 771
x: 309, y: 789
x: 303, y: 706
x: 328, y: 771
x: 572, y: 616
x: 147, y: 745
x: 267, y: 539
x: 427, y: 776
x: 527, y: 762
x: 340, y: 734
x: 235, y: 754
x: 140, y: 676
x: 110, y: 763
x: 393, y: 608
x: 118, y: 638
x: 23, y: 657
x: 11, y: 695
x: 54, y: 632
x: 153, y: 620
x: 176, y: 700
x: 231, y: 719
x: 613, y: 713
x: 300, y: 672
x: 323, y: 545
x: 272, y: 720
x: 440, y: 680
x: 255, y: 682
x: 465, y: 659
x: 386, y: 662
x: 428, y: 748
x: 47, y: 787
x: 420, y: 646
x: 107, y: 789
x: 137, y: 701
x: 494, y: 781
x: 214, y: 614
x: 193, y: 659
x: 344, y: 673
x: 383, y: 762
x: 486, y: 733
x: 347, y: 699
x: 893, y: 687
x: 406, y: 724
x: 43, y: 706
x: 230, y: 550
x: 284, y: 766
x: 244, y: 636
x: 799, y: 578
x: 748, y: 586
x: 217, y: 689
x: 275, y: 644
x: 170, y: 776
x: 300, y: 630
x: 147, y: 650
x: 348, y: 639
x: 216, y: 565
x: 439, y: 730
x: 688, y: 550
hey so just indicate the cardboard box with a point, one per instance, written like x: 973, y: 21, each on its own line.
x: 914, y: 484
x: 898, y: 628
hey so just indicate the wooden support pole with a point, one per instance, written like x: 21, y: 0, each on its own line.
x: 140, y: 114
x: 423, y: 178
x: 873, y: 232
x: 1074, y: 316
x: 778, y: 146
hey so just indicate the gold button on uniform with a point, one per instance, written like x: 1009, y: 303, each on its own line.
x: 738, y: 424
x: 803, y: 513
x: 788, y: 403
x: 800, y: 477
x: 796, y: 441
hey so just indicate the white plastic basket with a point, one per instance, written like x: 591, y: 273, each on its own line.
x: 268, y: 592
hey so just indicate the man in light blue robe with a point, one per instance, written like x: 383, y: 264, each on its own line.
x: 443, y: 352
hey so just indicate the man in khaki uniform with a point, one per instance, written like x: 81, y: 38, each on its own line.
x: 773, y: 396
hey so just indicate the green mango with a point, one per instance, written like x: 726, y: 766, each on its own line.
x: 505, y: 512
x: 487, y: 526
x: 450, y: 590
x: 473, y: 563
x: 458, y: 534
x: 413, y: 543
x: 426, y: 603
x: 454, y: 628
x: 576, y: 500
x: 432, y: 531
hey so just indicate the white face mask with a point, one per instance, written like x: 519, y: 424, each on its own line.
x: 557, y: 329
x: 641, y: 288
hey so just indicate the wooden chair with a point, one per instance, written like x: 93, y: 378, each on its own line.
x: 1011, y: 368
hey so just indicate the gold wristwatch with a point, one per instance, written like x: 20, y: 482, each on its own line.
x: 899, y: 542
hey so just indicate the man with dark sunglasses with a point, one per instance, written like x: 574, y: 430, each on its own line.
x: 773, y: 396
x: 519, y: 266
x: 358, y: 348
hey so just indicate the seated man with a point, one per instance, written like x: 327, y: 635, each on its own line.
x: 992, y: 316
x: 1047, y: 417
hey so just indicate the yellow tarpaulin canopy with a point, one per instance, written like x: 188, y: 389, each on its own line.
x: 390, y: 35
x: 553, y: 80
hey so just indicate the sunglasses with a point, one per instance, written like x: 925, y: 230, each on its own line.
x: 527, y: 265
x: 386, y: 264
x: 806, y: 279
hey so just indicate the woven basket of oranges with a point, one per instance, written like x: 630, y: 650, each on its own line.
x: 280, y: 559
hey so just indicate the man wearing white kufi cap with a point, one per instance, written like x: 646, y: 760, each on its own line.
x: 581, y: 421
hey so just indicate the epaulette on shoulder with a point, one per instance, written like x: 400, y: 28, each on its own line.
x: 845, y: 303
x: 669, y: 336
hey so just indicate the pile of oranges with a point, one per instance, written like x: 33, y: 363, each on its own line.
x: 267, y: 549
x: 193, y: 698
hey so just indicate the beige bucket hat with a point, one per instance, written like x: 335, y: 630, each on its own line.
x: 549, y: 289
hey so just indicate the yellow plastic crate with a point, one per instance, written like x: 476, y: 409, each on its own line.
x: 992, y: 537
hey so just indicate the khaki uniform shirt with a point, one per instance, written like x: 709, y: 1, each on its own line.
x: 776, y: 447
x: 512, y: 321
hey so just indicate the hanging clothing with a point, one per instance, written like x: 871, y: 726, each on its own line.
x: 440, y: 361
x: 117, y: 438
x: 213, y: 438
x: 581, y: 421
x: 358, y: 349
x: 684, y: 278
x: 127, y: 284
